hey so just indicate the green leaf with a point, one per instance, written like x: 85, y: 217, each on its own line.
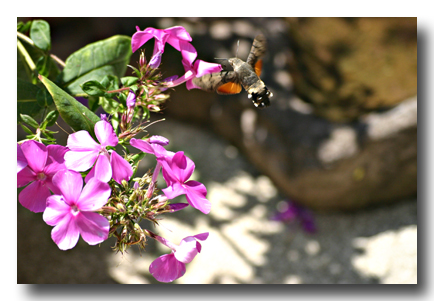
x: 43, y: 98
x: 36, y: 55
x: 93, y: 88
x: 40, y: 34
x: 30, y: 121
x: 94, y: 61
x: 26, y: 129
x: 129, y: 81
x: 23, y: 27
x: 26, y: 99
x: 72, y: 112
x: 92, y: 103
x: 110, y: 82
x: 109, y: 105
x: 51, y: 118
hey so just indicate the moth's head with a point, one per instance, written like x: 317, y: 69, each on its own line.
x: 262, y: 98
x: 226, y: 66
x: 235, y: 61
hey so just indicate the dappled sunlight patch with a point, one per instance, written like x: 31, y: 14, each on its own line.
x: 390, y: 256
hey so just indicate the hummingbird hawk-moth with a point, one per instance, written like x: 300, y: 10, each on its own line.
x: 244, y: 74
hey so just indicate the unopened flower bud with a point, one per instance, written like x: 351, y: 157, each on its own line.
x: 158, y: 140
x: 160, y: 201
x: 131, y: 99
x: 142, y: 60
x: 121, y: 207
x: 136, y: 185
x: 108, y: 209
x: 176, y: 207
x: 155, y: 60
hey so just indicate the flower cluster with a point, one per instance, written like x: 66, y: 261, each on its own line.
x: 88, y: 189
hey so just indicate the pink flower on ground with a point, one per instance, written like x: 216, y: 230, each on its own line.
x: 170, y: 267
x: 21, y: 159
x: 85, y: 153
x: 72, y: 210
x: 43, y: 162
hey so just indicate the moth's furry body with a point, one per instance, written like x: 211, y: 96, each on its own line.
x: 244, y: 73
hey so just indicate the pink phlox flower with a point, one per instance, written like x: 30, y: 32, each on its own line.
x: 42, y: 163
x: 153, y: 145
x: 175, y: 36
x: 72, y: 211
x: 179, y: 38
x: 21, y: 159
x: 85, y: 153
x: 170, y: 267
x: 197, y: 69
x: 177, y: 170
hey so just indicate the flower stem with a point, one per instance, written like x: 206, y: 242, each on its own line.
x: 119, y: 90
x: 27, y: 57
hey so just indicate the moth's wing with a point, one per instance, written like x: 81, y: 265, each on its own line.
x: 223, y: 82
x: 229, y: 88
x: 258, y: 67
x: 257, y: 51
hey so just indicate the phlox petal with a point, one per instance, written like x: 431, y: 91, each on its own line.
x: 94, y: 195
x: 56, y: 153
x: 201, y: 236
x: 166, y: 268
x: 174, y: 190
x: 196, y: 196
x: 34, y: 196
x: 202, y: 68
x: 142, y: 145
x: 121, y: 168
x: 176, y: 36
x: 80, y: 160
x: 65, y: 234
x: 105, y: 133
x: 187, y: 250
x: 25, y: 176
x: 36, y: 154
x: 181, y: 166
x: 21, y: 159
x: 189, y: 54
x: 55, y: 161
x: 102, y: 169
x: 70, y: 184
x: 94, y: 228
x: 56, y: 210
x: 82, y: 141
x: 179, y: 33
x: 141, y: 37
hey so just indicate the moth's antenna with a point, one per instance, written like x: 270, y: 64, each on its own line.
x: 238, y: 46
